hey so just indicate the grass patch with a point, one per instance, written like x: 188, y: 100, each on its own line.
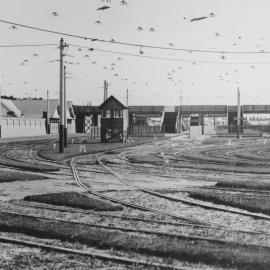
x: 144, y: 159
x: 9, y: 176
x: 183, y: 248
x: 34, y: 167
x: 258, y: 185
x: 250, y: 202
x: 76, y: 200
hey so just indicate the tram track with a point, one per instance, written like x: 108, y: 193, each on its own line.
x: 131, y: 230
x: 132, y: 218
x: 192, y: 222
x: 94, y: 255
x: 128, y: 204
x: 189, y: 202
x: 202, y: 223
x: 25, y: 227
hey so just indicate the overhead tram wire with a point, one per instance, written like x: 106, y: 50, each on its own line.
x: 132, y: 44
x: 26, y: 45
x: 170, y: 59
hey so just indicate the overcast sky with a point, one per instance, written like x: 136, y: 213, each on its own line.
x: 202, y: 78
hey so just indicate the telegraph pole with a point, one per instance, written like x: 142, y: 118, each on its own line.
x: 0, y: 113
x: 105, y: 90
x: 48, y: 114
x: 180, y: 113
x: 65, y: 108
x: 61, y: 120
x: 238, y: 113
x: 127, y: 97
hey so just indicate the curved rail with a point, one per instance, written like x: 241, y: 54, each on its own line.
x: 203, y: 205
x: 131, y: 205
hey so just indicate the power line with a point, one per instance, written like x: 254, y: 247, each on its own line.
x: 26, y: 45
x: 170, y: 59
x: 133, y: 44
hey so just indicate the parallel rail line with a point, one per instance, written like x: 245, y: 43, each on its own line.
x: 133, y: 218
x: 137, y: 230
x: 94, y: 255
x: 203, y: 205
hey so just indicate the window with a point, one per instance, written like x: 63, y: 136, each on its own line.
x: 117, y: 113
x: 106, y: 113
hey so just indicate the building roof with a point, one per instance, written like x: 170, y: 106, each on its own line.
x: 150, y: 111
x: 112, y: 103
x: 85, y: 110
x: 32, y: 108
x: 10, y: 106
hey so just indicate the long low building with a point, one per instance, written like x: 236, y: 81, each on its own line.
x: 27, y: 117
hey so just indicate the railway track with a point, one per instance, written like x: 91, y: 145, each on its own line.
x: 132, y: 230
x: 130, y: 205
x: 26, y: 227
x: 123, y: 260
x: 135, y: 206
x: 189, y: 202
x: 94, y: 255
x: 134, y: 218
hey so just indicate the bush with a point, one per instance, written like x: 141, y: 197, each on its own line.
x: 76, y: 200
x: 259, y: 185
x: 253, y: 203
x: 8, y: 176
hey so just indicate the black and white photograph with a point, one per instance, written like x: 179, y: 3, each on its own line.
x: 134, y: 134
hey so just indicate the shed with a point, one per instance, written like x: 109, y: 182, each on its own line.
x: 114, y: 120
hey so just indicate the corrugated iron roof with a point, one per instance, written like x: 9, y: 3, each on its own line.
x: 32, y: 108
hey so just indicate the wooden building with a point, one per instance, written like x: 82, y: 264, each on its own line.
x: 114, y: 120
x: 87, y: 119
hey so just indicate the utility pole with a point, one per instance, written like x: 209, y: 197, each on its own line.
x: 238, y: 113
x: 127, y: 97
x: 48, y: 114
x: 105, y: 90
x: 180, y: 113
x: 0, y: 112
x: 61, y: 120
x: 179, y: 116
x: 65, y: 108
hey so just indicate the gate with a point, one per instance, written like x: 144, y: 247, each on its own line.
x: 88, y: 124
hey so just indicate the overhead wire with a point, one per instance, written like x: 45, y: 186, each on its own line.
x: 132, y: 44
x: 26, y: 45
x: 168, y: 58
